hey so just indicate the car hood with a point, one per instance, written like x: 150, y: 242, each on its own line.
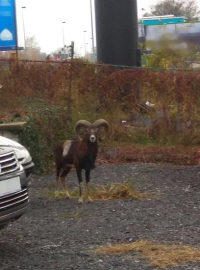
x: 8, y: 144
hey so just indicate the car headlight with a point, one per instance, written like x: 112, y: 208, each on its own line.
x: 23, y: 155
x: 27, y: 156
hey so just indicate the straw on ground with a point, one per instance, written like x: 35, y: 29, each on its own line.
x: 159, y: 255
x: 113, y: 191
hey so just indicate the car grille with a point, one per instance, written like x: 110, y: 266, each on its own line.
x: 8, y: 163
x: 14, y: 200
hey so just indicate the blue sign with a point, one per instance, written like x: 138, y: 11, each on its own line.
x: 154, y: 21
x: 7, y: 25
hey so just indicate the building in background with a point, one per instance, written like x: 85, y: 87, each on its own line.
x: 161, y: 31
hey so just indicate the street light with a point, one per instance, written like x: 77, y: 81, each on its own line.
x: 63, y: 34
x: 84, y: 41
x: 64, y: 46
x: 81, y: 50
x: 24, y: 30
x: 87, y: 47
x: 92, y: 31
x: 63, y: 51
x: 91, y: 47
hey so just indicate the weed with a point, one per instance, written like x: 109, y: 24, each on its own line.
x: 19, y: 237
x: 79, y: 214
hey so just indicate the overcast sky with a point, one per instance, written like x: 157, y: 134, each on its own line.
x: 43, y: 19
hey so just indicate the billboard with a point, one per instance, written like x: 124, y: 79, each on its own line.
x: 8, y: 35
x: 180, y: 35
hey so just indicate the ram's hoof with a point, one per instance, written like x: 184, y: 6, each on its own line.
x: 80, y: 200
x: 67, y: 195
x: 89, y: 199
x: 56, y: 194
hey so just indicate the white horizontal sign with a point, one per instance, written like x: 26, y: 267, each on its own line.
x: 10, y: 186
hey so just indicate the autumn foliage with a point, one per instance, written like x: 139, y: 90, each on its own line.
x: 102, y: 91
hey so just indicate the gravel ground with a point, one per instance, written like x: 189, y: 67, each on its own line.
x: 42, y: 240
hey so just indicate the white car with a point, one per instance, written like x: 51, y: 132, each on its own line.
x: 21, y: 152
x: 14, y: 185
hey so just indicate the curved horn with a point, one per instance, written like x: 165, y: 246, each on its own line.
x: 101, y: 123
x: 81, y: 124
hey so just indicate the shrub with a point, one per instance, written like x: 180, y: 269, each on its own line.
x: 45, y: 127
x: 39, y: 92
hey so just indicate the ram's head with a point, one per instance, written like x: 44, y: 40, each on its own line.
x: 98, y: 129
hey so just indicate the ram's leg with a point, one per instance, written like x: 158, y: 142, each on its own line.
x: 87, y: 177
x: 62, y: 177
x: 58, y: 172
x: 57, y: 186
x: 80, y: 180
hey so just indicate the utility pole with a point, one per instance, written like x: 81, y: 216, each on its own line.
x: 24, y: 32
x: 92, y: 30
x: 71, y: 54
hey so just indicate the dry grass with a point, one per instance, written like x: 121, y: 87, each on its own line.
x: 117, y: 191
x: 78, y: 214
x: 114, y: 191
x: 159, y: 255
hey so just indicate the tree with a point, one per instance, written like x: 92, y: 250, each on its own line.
x: 32, y: 50
x: 187, y: 8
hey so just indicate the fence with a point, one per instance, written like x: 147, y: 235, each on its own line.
x: 98, y: 85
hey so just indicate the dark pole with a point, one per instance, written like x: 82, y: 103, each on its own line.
x: 117, y: 32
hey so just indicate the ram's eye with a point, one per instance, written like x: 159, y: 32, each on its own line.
x: 96, y: 129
